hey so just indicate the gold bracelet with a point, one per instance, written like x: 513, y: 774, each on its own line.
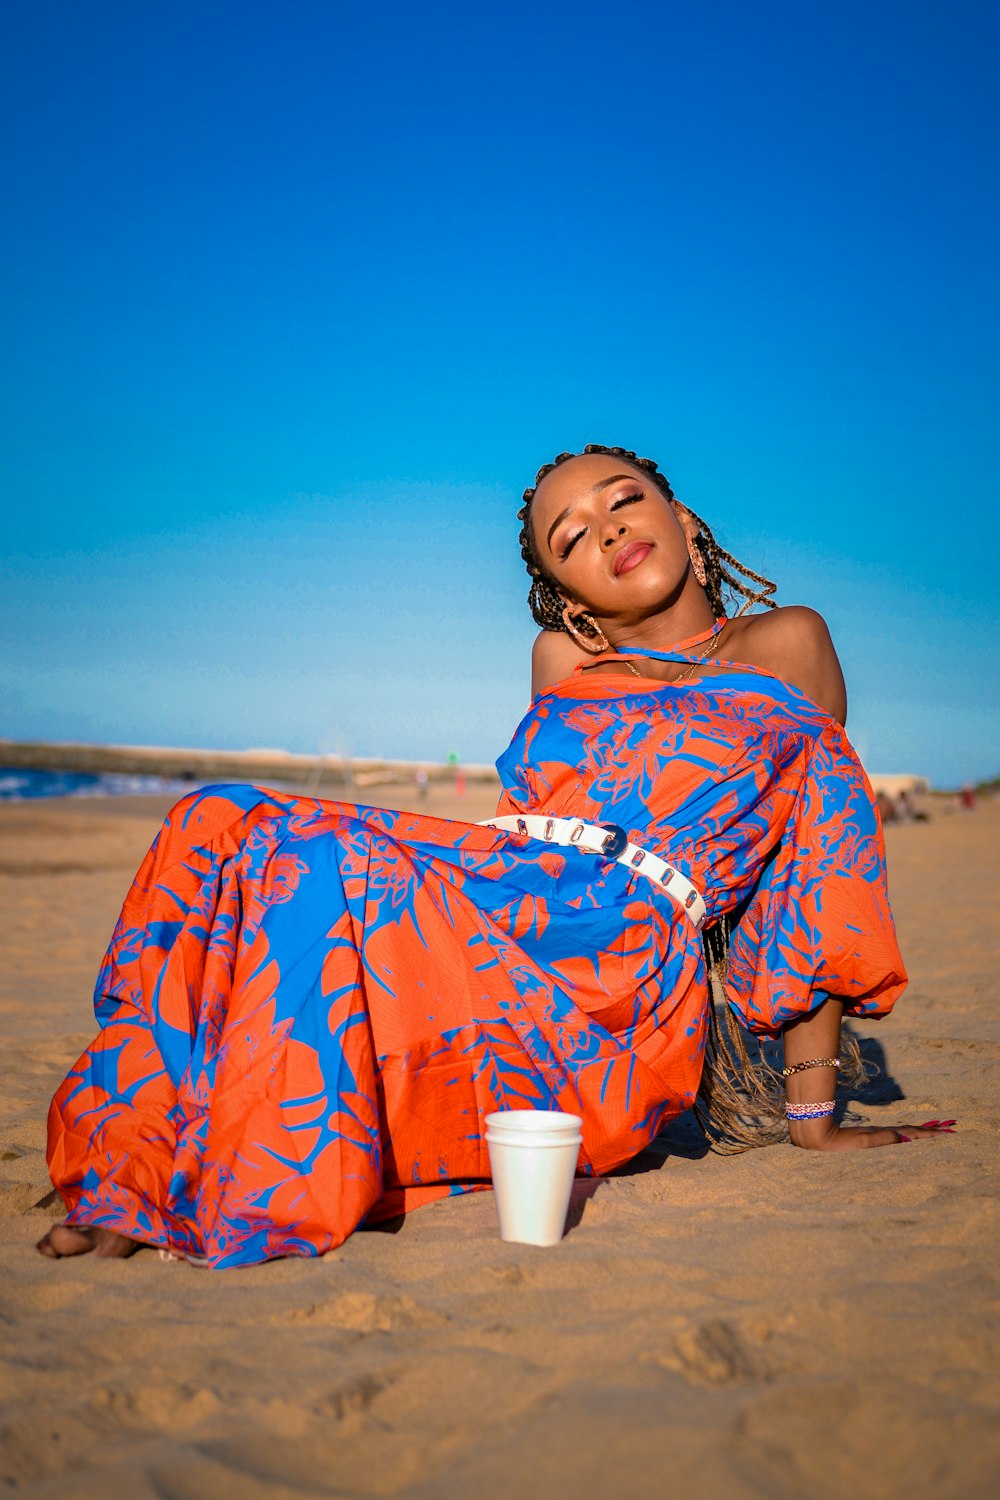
x: 814, y: 1062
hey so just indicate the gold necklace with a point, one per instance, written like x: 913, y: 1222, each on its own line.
x: 716, y: 638
x: 588, y: 666
x: 713, y: 641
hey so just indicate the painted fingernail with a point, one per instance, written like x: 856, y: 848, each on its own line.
x: 903, y: 1137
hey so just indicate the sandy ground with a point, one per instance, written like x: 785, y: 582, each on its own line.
x: 778, y: 1325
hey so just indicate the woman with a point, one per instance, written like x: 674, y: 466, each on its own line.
x: 308, y: 1007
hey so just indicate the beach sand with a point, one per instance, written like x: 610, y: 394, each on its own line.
x: 777, y: 1325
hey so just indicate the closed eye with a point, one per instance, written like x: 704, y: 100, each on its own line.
x: 616, y: 505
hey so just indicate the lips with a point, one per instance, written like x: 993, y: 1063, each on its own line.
x: 630, y: 556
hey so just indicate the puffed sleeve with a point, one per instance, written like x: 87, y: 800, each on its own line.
x: 515, y: 792
x: 522, y: 786
x: 818, y: 922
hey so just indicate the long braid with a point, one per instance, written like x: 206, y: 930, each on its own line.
x: 724, y: 572
x: 740, y: 1098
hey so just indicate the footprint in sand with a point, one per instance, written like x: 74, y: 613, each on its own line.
x: 365, y: 1312
x: 24, y: 1178
x: 716, y: 1353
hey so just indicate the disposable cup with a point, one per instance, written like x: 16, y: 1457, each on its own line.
x: 533, y: 1156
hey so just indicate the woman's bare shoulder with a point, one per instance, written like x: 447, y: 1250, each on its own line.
x: 553, y: 657
x: 792, y: 627
x: 794, y: 643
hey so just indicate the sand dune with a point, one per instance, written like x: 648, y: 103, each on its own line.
x: 776, y: 1325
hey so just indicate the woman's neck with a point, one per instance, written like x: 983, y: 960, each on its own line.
x: 661, y: 631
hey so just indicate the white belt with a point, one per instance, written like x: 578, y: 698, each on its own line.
x: 613, y: 842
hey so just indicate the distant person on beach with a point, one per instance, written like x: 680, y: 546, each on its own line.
x: 888, y: 808
x: 308, y: 1007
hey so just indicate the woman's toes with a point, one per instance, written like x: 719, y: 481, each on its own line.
x: 63, y: 1240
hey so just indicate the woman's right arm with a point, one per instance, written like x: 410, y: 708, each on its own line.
x: 553, y: 657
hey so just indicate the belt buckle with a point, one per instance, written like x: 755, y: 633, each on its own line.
x: 616, y: 841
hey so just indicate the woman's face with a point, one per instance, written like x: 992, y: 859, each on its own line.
x: 613, y: 542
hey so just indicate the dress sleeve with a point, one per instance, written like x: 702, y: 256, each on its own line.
x: 818, y: 922
x: 519, y: 780
x: 515, y: 793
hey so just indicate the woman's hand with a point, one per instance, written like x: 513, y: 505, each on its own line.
x: 824, y: 1135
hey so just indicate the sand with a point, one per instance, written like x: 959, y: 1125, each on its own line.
x: 778, y: 1325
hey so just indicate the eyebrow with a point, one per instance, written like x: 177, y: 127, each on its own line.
x: 601, y: 484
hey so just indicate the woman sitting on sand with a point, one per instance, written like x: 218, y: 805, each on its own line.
x: 308, y: 1007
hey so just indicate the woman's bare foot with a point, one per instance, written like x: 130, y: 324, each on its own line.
x: 63, y: 1239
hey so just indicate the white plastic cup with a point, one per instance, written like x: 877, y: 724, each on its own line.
x: 533, y: 1156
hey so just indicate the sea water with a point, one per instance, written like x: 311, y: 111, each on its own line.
x: 17, y: 785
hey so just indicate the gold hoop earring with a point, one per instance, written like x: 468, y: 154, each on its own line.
x: 594, y: 645
x: 697, y: 562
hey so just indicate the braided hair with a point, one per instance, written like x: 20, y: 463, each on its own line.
x: 723, y: 572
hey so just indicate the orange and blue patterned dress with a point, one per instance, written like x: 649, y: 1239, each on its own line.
x: 308, y: 1007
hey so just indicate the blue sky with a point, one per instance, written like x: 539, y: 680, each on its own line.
x: 297, y: 299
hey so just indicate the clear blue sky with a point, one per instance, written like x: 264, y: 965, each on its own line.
x: 296, y: 298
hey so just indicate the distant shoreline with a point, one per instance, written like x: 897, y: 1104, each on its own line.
x: 198, y: 766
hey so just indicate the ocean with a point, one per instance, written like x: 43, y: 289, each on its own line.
x: 18, y: 785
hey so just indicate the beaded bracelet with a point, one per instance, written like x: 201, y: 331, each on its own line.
x: 814, y: 1062
x: 811, y: 1111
